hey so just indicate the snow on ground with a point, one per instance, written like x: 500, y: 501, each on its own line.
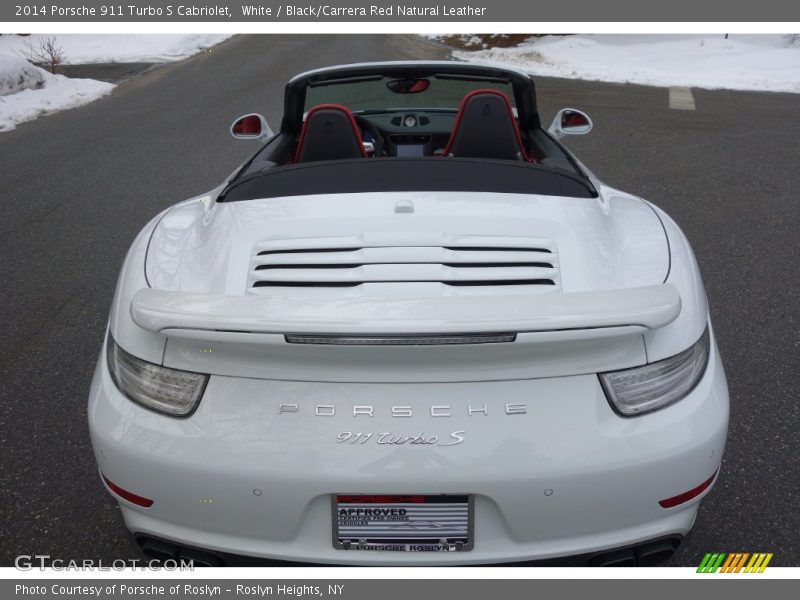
x: 17, y: 74
x: 742, y: 62
x: 57, y: 93
x: 84, y: 49
x: 26, y: 91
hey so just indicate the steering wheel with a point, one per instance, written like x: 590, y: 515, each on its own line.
x: 369, y: 127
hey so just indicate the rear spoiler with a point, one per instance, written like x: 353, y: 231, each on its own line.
x: 196, y: 315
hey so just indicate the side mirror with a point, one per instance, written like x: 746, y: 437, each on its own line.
x: 570, y: 121
x: 251, y: 127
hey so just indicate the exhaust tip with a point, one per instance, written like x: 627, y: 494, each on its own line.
x: 649, y: 554
x: 621, y: 558
x: 157, y: 550
x: 199, y: 558
x: 161, y: 550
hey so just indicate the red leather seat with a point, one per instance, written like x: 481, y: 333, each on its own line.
x: 329, y: 132
x: 485, y: 127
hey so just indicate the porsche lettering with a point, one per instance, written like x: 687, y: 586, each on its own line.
x: 439, y: 410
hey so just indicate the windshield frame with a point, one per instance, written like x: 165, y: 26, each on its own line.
x: 523, y: 85
x: 371, y: 95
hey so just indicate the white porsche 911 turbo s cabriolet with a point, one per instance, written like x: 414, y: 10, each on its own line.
x: 412, y: 329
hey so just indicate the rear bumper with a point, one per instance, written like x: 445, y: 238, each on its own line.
x: 649, y: 553
x: 215, y: 550
x: 568, y: 477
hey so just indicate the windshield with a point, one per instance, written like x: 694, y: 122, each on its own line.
x: 373, y: 93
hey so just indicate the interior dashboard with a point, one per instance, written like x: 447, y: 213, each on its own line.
x: 407, y: 134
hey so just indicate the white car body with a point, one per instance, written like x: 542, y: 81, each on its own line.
x: 523, y: 427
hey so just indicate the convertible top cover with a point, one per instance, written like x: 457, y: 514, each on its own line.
x: 432, y: 174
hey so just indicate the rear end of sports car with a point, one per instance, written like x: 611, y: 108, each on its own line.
x: 459, y: 472
x: 482, y: 379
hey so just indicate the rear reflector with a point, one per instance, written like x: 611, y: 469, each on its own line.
x: 126, y: 495
x: 686, y: 496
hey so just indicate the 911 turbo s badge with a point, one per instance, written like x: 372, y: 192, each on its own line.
x: 387, y: 437
x: 441, y: 410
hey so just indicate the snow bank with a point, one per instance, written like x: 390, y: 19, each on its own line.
x: 742, y: 62
x: 17, y: 74
x: 57, y: 93
x: 101, y: 48
x: 27, y: 91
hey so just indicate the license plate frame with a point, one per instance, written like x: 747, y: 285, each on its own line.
x: 455, y: 533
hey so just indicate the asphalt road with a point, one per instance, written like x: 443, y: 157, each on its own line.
x: 77, y: 186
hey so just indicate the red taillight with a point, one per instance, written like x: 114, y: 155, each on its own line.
x: 686, y: 496
x: 126, y: 495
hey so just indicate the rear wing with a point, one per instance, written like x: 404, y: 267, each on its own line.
x: 203, y: 316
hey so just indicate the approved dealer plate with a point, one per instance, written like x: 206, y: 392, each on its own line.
x: 403, y: 522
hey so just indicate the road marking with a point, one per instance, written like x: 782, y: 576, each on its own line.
x: 681, y: 98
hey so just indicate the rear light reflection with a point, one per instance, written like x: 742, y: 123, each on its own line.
x: 126, y: 495
x: 692, y: 493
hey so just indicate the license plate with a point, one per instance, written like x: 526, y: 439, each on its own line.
x: 403, y: 522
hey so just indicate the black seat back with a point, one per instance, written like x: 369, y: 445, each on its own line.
x: 485, y: 127
x: 329, y: 132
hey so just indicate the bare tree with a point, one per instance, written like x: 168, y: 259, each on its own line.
x: 45, y: 52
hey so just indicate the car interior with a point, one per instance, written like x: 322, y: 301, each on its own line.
x: 436, y: 117
x: 483, y: 127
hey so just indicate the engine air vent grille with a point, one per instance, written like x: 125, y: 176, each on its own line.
x: 533, y: 265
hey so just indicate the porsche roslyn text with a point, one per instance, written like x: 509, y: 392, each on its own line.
x: 412, y: 328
